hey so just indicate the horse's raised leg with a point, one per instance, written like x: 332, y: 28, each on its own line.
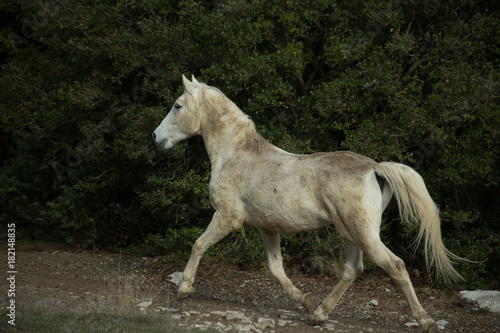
x: 393, y: 265
x: 219, y: 228
x: 353, y: 267
x: 275, y: 261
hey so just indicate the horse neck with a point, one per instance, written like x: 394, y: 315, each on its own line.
x: 229, y: 132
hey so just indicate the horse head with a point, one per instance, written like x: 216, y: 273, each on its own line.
x: 184, y: 118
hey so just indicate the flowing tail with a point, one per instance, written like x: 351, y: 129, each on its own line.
x: 416, y: 205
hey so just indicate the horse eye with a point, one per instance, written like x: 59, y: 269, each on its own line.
x: 177, y: 106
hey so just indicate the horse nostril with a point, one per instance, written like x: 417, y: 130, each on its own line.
x: 154, y: 136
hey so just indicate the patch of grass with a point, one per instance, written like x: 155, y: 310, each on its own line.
x: 41, y: 321
x: 119, y: 296
x: 179, y: 241
x: 124, y: 293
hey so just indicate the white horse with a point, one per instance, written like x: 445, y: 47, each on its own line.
x: 256, y: 183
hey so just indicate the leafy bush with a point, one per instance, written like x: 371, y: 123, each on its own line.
x: 83, y: 87
x: 67, y: 214
x: 179, y: 241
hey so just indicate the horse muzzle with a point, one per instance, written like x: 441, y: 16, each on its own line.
x: 162, y: 143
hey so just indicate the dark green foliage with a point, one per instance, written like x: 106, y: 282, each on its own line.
x: 85, y: 84
x: 178, y: 241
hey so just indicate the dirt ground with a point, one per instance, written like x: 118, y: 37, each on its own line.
x: 54, y: 279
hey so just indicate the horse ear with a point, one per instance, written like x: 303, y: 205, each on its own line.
x: 194, y: 80
x: 185, y: 81
x: 189, y: 86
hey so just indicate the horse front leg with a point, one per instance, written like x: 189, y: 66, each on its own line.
x: 275, y: 261
x: 218, y: 228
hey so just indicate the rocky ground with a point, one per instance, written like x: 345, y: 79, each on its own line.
x: 226, y: 297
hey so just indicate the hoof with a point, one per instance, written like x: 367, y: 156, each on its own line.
x: 181, y: 294
x: 319, y: 316
x: 430, y: 327
x: 310, y: 302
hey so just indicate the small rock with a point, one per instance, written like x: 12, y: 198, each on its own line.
x: 282, y: 322
x: 441, y: 323
x: 186, y: 314
x: 200, y: 326
x: 412, y: 324
x: 481, y: 299
x: 268, y: 322
x: 163, y: 309
x: 373, y: 302
x: 234, y: 315
x: 260, y: 326
x: 144, y: 304
x: 330, y: 327
x: 176, y: 317
x: 246, y: 328
x: 176, y: 278
x: 285, y: 316
x: 218, y: 313
x: 221, y: 325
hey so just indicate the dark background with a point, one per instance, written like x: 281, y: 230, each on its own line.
x: 85, y: 83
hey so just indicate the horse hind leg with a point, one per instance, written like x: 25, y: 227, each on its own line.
x: 395, y: 267
x: 353, y: 267
x: 275, y: 262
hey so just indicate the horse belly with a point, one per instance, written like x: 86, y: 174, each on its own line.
x: 286, y: 215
